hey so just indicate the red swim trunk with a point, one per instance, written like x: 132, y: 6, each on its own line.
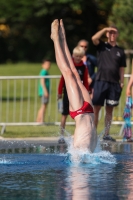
x: 86, y: 108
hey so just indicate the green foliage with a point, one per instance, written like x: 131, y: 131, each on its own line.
x: 104, y: 4
x: 122, y: 17
x: 28, y: 22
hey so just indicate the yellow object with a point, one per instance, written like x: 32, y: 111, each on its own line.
x: 120, y: 118
x: 114, y: 118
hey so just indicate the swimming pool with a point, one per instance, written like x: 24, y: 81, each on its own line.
x: 44, y: 171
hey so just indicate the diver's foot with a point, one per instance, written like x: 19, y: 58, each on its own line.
x: 109, y: 138
x: 54, y: 29
x: 62, y: 30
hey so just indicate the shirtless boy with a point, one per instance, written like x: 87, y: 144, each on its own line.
x: 81, y: 110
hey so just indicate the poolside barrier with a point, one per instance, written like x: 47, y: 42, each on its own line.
x: 19, y: 102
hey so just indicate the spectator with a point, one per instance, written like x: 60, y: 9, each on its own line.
x: 80, y: 105
x: 129, y: 86
x: 43, y: 90
x: 89, y: 60
x: 127, y: 111
x: 77, y: 55
x: 110, y: 75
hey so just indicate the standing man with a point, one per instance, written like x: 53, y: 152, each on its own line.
x: 89, y: 60
x: 110, y: 75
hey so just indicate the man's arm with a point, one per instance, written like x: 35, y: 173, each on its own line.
x: 96, y: 38
x: 122, y: 70
x: 130, y: 83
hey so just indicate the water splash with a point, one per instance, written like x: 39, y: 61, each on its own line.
x: 4, y: 161
x: 80, y: 156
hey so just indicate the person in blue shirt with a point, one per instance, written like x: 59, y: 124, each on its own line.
x: 89, y: 60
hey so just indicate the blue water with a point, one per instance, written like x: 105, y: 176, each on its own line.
x: 49, y: 173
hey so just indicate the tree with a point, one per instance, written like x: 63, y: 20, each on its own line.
x: 26, y: 35
x: 122, y: 17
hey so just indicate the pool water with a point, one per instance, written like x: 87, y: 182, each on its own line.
x: 37, y: 172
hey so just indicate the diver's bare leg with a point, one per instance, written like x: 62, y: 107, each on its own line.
x: 73, y: 89
x: 64, y: 45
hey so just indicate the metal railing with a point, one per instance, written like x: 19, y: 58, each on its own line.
x: 19, y: 102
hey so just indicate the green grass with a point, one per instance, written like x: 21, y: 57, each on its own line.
x: 25, y: 69
x: 34, y: 131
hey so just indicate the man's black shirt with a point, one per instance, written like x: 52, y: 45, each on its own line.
x: 110, y: 59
